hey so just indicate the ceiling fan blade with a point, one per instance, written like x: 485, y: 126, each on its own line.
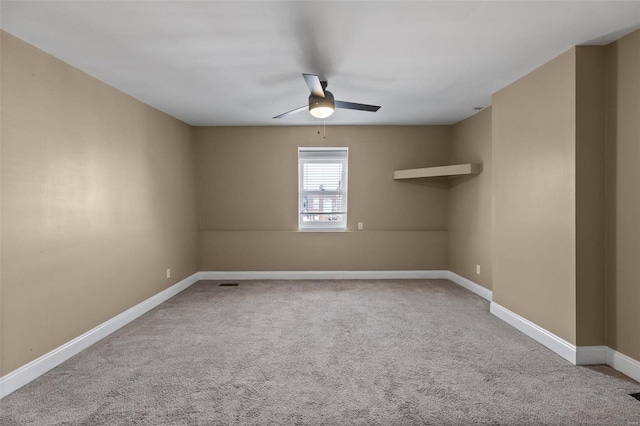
x: 359, y: 107
x: 293, y: 111
x: 315, y: 87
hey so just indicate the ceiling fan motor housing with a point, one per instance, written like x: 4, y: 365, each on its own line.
x: 321, y: 107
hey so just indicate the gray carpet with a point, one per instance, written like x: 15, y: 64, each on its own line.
x: 312, y: 352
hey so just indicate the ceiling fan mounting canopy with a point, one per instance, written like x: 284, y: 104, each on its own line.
x: 322, y: 102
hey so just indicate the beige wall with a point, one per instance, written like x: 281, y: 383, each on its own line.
x: 590, y: 195
x: 550, y: 137
x: 247, y: 180
x: 623, y: 195
x: 323, y: 251
x: 98, y: 200
x: 470, y: 227
x: 534, y: 253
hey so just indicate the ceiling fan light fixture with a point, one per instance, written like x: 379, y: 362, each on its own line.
x: 320, y: 111
x: 321, y: 107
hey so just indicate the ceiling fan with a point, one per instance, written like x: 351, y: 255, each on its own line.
x: 321, y: 101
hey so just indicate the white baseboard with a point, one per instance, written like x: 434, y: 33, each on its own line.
x: 34, y: 369
x: 591, y: 355
x: 483, y: 292
x: 349, y: 275
x: 558, y: 345
x: 321, y: 275
x: 577, y: 355
x: 623, y: 364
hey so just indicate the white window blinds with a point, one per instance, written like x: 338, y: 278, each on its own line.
x: 322, y: 188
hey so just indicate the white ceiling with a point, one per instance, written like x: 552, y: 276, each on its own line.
x: 239, y: 63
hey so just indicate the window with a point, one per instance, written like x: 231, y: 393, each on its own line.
x: 322, y: 188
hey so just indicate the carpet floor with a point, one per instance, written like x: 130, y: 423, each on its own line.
x: 357, y: 352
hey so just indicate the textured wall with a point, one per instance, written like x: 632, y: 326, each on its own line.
x: 623, y: 195
x: 549, y: 139
x: 247, y: 180
x: 590, y: 195
x: 470, y: 227
x: 98, y: 200
x: 533, y: 125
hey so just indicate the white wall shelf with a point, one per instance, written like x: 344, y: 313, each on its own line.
x: 438, y: 172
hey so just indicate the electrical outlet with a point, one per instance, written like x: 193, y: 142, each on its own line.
x: 360, y: 226
x: 478, y: 269
x: 168, y: 273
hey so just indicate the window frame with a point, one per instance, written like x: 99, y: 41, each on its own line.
x: 341, y: 154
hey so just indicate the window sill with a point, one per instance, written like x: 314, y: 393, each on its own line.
x: 322, y: 230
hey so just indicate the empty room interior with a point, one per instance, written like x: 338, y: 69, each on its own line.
x: 320, y: 212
